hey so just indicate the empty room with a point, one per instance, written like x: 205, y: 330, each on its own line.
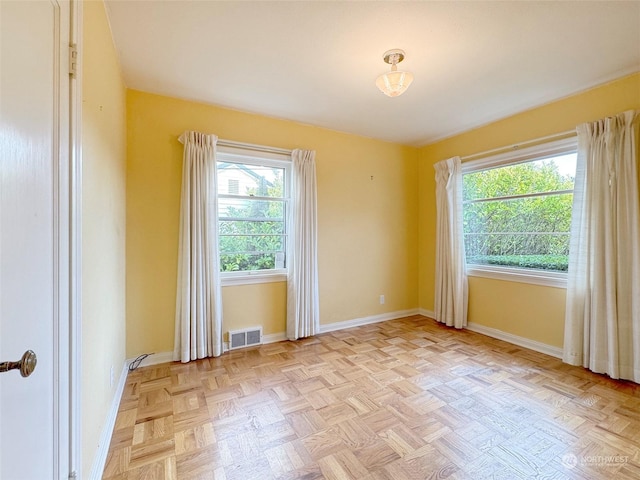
x: 327, y: 240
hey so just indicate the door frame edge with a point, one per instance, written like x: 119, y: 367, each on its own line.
x: 75, y: 247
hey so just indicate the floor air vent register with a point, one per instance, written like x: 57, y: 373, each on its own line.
x: 245, y: 338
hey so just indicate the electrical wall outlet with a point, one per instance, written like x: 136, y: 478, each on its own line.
x: 381, y: 299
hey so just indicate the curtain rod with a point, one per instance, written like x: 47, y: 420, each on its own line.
x: 252, y: 146
x: 516, y: 146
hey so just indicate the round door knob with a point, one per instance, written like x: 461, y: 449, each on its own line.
x: 26, y: 365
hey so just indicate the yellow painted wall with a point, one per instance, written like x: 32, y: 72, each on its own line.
x: 367, y: 237
x: 103, y: 226
x: 267, y: 307
x: 530, y: 311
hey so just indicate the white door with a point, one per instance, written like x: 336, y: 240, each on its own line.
x: 34, y: 161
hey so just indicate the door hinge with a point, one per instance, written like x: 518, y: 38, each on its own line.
x: 72, y: 476
x: 73, y: 60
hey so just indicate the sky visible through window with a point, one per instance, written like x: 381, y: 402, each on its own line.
x: 566, y: 164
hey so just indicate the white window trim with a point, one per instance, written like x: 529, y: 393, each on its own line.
x: 261, y: 156
x: 521, y: 275
x: 254, y: 156
x: 521, y: 155
x: 253, y: 277
x: 514, y: 274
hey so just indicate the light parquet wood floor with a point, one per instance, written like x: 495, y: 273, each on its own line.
x: 404, y: 399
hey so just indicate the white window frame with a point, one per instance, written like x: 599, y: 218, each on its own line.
x: 536, y: 152
x: 267, y: 158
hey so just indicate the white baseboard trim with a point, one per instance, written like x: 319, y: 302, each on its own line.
x: 100, y: 458
x: 427, y: 313
x: 507, y: 337
x: 516, y: 340
x: 357, y: 322
x: 274, y: 337
x: 153, y: 359
x: 164, y: 357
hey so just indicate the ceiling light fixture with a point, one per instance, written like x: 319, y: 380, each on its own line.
x: 395, y: 82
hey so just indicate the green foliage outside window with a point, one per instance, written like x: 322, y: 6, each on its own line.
x: 525, y: 232
x: 252, y: 229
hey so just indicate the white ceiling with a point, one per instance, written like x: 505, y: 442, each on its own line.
x: 316, y: 62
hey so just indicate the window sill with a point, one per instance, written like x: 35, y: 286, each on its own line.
x: 249, y: 278
x: 535, y: 277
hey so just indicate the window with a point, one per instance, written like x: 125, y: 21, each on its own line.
x: 517, y: 213
x: 253, y: 191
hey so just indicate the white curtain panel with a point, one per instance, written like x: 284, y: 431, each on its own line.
x: 451, y: 276
x: 198, y: 329
x: 602, y: 327
x: 303, y: 312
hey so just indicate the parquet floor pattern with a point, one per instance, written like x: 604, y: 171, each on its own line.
x: 404, y: 399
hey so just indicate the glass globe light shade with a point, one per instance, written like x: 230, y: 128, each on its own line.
x: 394, y: 83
